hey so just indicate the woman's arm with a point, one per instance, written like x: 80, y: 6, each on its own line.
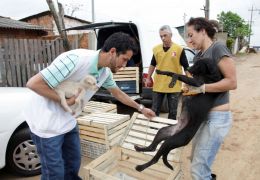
x: 229, y: 82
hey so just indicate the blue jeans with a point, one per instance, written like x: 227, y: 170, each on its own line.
x: 60, y: 155
x: 172, y: 103
x: 207, y: 142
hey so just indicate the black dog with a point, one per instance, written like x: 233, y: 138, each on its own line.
x: 195, y: 110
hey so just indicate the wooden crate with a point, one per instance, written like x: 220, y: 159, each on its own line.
x: 95, y: 106
x: 100, y: 131
x: 120, y: 162
x: 127, y: 79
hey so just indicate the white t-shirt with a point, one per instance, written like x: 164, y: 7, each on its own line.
x: 46, y: 118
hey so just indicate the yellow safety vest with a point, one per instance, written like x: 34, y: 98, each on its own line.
x: 167, y: 61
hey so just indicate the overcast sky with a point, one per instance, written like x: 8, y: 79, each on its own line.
x: 158, y: 12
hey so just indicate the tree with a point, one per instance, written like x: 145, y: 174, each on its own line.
x: 58, y: 15
x: 72, y: 8
x: 234, y: 25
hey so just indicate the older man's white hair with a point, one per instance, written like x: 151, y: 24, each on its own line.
x: 166, y: 28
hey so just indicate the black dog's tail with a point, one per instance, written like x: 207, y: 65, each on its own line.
x: 165, y: 161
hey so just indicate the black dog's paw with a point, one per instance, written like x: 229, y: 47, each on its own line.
x: 138, y: 148
x: 170, y: 167
x: 140, y: 168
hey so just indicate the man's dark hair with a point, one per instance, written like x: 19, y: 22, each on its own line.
x: 201, y: 23
x: 122, y: 42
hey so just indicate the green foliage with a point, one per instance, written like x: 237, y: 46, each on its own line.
x: 233, y: 24
x: 230, y: 42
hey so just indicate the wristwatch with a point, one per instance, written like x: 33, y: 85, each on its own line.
x: 140, y: 108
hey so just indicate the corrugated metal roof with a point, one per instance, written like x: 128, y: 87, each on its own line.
x: 14, y: 24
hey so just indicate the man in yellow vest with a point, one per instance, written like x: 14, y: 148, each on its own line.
x: 167, y: 56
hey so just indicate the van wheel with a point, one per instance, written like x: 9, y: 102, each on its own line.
x: 164, y: 107
x: 21, y: 156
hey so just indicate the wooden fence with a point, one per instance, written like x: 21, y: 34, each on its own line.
x: 20, y: 59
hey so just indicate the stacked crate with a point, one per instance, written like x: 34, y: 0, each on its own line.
x: 127, y: 79
x: 100, y: 131
x: 95, y: 106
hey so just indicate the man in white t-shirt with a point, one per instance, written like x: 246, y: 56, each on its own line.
x: 55, y: 131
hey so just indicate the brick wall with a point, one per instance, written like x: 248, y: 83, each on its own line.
x: 20, y: 33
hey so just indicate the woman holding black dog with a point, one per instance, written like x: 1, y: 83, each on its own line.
x: 210, y: 136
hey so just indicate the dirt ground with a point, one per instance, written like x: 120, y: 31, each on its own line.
x: 239, y: 156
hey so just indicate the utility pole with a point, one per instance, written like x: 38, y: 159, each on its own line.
x: 250, y: 22
x: 206, y: 9
x: 93, y: 11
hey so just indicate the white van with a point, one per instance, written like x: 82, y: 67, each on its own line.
x: 147, y: 38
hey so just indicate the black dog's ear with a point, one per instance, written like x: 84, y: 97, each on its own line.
x: 209, y: 65
x: 197, y: 68
x: 202, y: 66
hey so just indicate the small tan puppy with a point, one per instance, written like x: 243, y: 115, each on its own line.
x: 68, y: 89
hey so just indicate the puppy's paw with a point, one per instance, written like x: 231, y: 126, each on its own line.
x: 138, y: 148
x: 77, y: 101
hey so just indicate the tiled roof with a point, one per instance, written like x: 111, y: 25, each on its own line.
x: 14, y: 24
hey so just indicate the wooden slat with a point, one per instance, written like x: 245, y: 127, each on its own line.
x: 136, y: 174
x: 90, y: 128
x: 117, y: 133
x: 126, y: 79
x: 128, y: 74
x: 48, y: 47
x: 150, y: 124
x: 101, y: 141
x: 101, y: 119
x: 106, y: 164
x: 94, y: 106
x: 159, y: 120
x: 44, y: 53
x: 57, y: 47
x: 101, y: 175
x: 115, y: 151
x: 155, y: 167
x: 17, y: 63
x: 3, y: 64
x: 12, y: 62
x: 115, y: 141
x: 148, y: 172
x: 92, y: 134
x: 27, y: 58
x: 148, y: 155
x: 173, y: 157
x: 31, y: 56
x: 36, y: 56
x: 40, y: 55
x: 53, y: 53
x: 117, y: 128
x: 144, y: 129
